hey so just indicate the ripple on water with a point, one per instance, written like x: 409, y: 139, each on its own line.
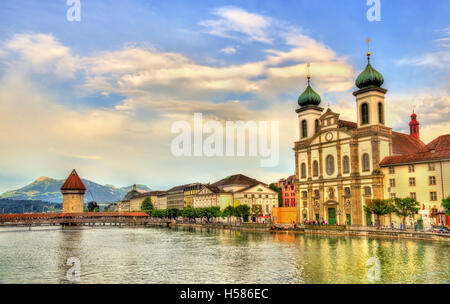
x: 157, y: 255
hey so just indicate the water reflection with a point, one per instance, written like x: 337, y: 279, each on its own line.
x: 199, y: 255
x: 69, y: 246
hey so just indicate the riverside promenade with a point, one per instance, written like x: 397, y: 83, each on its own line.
x: 341, y: 230
x: 141, y: 219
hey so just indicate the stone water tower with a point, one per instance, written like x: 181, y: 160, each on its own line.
x: 73, y: 191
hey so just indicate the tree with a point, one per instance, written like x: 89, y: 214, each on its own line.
x: 188, y: 212
x: 405, y: 207
x: 200, y: 213
x: 243, y: 211
x: 212, y: 212
x: 172, y: 213
x: 446, y: 204
x: 147, y: 205
x: 379, y: 207
x: 92, y: 207
x: 278, y: 190
x: 256, y: 211
x: 228, y: 212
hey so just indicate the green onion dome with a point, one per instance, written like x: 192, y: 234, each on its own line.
x: 369, y: 77
x: 309, y: 97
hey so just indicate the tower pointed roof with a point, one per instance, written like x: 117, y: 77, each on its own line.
x: 73, y: 182
x: 369, y: 77
x: 309, y: 96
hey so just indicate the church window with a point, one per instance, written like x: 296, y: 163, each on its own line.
x: 365, y: 162
x: 315, y: 168
x: 330, y: 164
x: 304, y: 129
x: 303, y: 170
x: 380, y: 113
x: 364, y: 113
x: 346, y: 164
x: 317, y: 126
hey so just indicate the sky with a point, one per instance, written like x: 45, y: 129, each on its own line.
x: 101, y: 94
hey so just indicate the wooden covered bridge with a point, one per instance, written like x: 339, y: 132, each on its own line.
x: 79, y: 219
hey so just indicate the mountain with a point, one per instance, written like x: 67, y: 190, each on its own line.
x: 47, y: 189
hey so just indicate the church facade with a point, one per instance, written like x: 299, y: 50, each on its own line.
x: 337, y: 161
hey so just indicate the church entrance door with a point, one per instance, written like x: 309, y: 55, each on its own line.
x: 331, y: 216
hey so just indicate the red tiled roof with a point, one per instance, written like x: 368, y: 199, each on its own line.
x: 73, y: 182
x: 405, y: 144
x: 347, y: 124
x: 441, y: 143
x: 438, y: 149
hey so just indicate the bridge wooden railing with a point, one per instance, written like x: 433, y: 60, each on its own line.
x: 74, y: 218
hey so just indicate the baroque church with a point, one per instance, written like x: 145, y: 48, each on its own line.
x: 338, y: 162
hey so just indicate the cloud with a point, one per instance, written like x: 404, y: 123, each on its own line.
x: 39, y: 53
x: 228, y: 50
x: 234, y: 22
x: 439, y: 58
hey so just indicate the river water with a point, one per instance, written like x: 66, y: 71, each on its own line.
x: 182, y: 255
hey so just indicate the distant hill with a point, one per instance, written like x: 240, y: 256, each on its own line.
x: 27, y: 206
x: 48, y: 190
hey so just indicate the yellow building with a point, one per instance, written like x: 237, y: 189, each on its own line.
x: 423, y: 175
x: 189, y: 192
x: 212, y: 196
x: 250, y: 192
x: 338, y: 162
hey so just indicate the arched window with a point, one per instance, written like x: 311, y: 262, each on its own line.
x: 317, y: 126
x: 304, y: 129
x: 346, y: 162
x: 364, y: 113
x: 303, y: 169
x: 365, y: 162
x: 380, y: 113
x: 315, y: 168
x: 330, y: 164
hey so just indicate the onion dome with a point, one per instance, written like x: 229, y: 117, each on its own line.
x: 309, y: 96
x: 369, y: 77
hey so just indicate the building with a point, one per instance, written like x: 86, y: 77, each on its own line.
x: 249, y: 191
x: 212, y: 196
x: 288, y: 193
x: 175, y: 197
x: 422, y: 175
x: 338, y: 162
x: 126, y: 205
x: 161, y: 200
x: 189, y: 192
x: 137, y: 199
x: 73, y: 191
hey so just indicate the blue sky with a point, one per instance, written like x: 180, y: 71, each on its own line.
x: 74, y: 69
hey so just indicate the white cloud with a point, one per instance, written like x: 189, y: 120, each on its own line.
x: 439, y: 58
x: 228, y: 50
x: 234, y: 21
x: 39, y: 53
